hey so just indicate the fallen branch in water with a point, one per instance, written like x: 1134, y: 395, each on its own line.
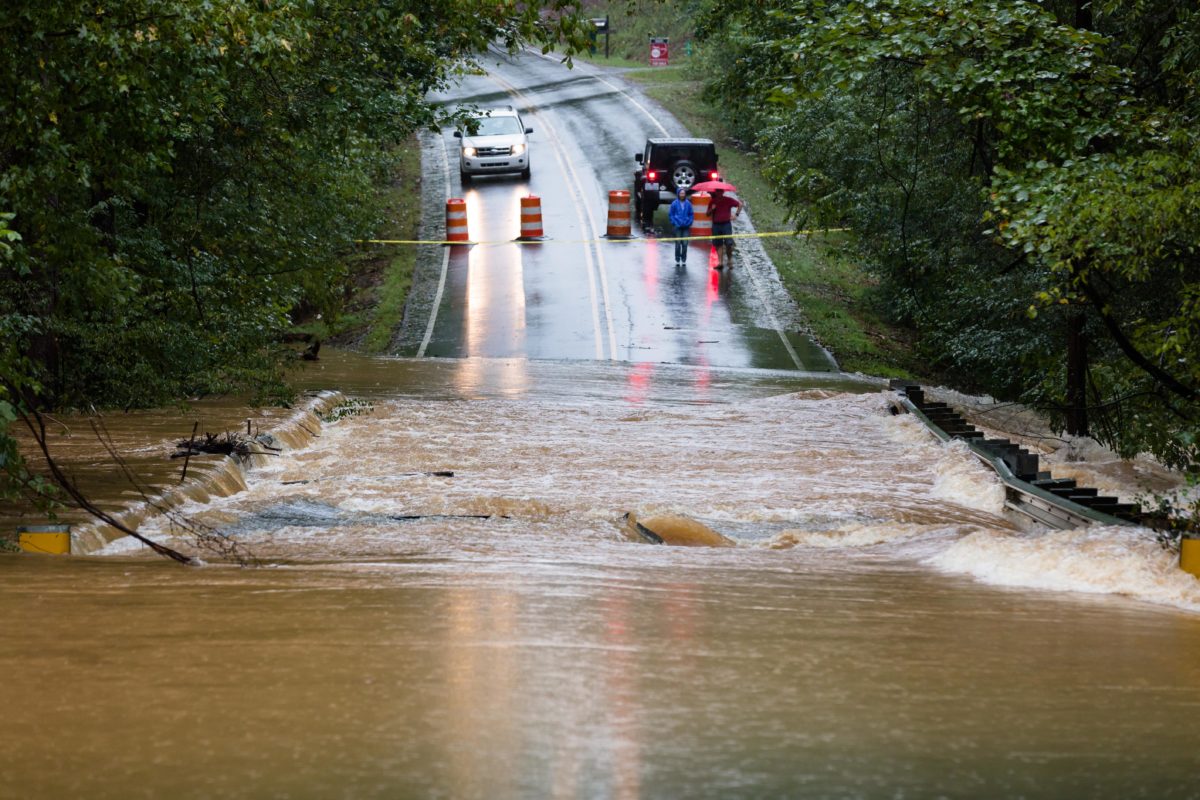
x: 203, y: 536
x: 440, y: 473
x: 233, y: 444
x: 188, y: 457
x: 37, y: 426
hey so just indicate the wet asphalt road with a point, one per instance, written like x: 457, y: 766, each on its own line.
x: 578, y: 295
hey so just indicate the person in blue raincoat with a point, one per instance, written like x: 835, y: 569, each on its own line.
x: 682, y: 215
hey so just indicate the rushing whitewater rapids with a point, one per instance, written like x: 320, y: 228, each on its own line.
x: 814, y: 468
x: 880, y: 629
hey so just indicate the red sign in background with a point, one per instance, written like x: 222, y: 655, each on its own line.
x: 660, y: 52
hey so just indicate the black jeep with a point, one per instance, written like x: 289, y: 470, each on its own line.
x: 667, y: 165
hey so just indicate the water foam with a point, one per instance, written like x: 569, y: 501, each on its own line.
x: 1100, y: 560
x: 962, y: 478
x: 225, y: 477
x: 851, y: 536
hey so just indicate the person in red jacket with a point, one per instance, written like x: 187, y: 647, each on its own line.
x: 723, y: 210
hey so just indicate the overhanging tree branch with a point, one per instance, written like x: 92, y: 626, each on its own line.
x: 37, y: 427
x: 1130, y: 350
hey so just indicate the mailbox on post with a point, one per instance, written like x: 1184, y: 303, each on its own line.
x: 600, y: 25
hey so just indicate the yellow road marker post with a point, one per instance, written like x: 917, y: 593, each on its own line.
x: 53, y: 539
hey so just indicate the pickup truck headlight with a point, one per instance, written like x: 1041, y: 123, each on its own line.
x: 469, y: 152
x: 517, y: 149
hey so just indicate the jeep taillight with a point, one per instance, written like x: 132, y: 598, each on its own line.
x: 714, y: 176
x: 651, y: 176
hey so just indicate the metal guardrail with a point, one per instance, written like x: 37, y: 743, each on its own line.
x: 1022, y: 496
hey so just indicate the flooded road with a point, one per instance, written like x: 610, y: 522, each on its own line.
x: 500, y: 633
x: 450, y: 603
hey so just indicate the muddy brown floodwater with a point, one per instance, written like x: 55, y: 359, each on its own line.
x: 498, y: 633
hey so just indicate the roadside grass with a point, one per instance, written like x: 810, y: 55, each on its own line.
x: 835, y: 293
x: 598, y: 59
x: 679, y: 62
x: 380, y: 276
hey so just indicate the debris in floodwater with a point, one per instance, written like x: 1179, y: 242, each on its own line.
x: 233, y: 444
x: 441, y: 473
x: 408, y: 517
x: 310, y: 513
x: 676, y: 529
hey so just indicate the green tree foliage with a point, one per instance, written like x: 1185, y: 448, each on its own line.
x: 1019, y: 173
x: 184, y: 174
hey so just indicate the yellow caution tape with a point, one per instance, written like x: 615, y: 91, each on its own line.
x: 762, y: 235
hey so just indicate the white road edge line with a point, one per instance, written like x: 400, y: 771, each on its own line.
x: 771, y: 318
x: 437, y: 298
x: 585, y: 221
x: 629, y: 97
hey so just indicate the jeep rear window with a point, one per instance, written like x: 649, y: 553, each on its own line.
x: 693, y: 153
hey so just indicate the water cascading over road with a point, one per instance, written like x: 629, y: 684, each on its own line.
x: 499, y: 631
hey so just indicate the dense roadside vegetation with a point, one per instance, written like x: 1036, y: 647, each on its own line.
x: 378, y: 277
x: 1021, y: 179
x: 180, y: 180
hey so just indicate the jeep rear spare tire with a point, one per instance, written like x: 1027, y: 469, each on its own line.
x: 683, y: 175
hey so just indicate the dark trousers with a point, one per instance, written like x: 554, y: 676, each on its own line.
x: 681, y: 247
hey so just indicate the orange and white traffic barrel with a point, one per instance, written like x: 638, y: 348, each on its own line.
x: 531, y: 218
x: 702, y: 222
x: 619, y: 220
x: 456, y: 221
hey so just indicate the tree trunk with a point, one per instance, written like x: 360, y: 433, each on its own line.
x: 1083, y: 14
x: 1077, y: 368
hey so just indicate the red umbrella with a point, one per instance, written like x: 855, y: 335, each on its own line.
x: 712, y: 186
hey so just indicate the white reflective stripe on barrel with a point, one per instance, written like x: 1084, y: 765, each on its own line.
x: 531, y: 216
x: 456, y: 220
x: 619, y: 223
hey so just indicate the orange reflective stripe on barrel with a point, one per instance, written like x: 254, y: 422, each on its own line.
x: 456, y: 220
x: 619, y: 220
x: 531, y: 217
